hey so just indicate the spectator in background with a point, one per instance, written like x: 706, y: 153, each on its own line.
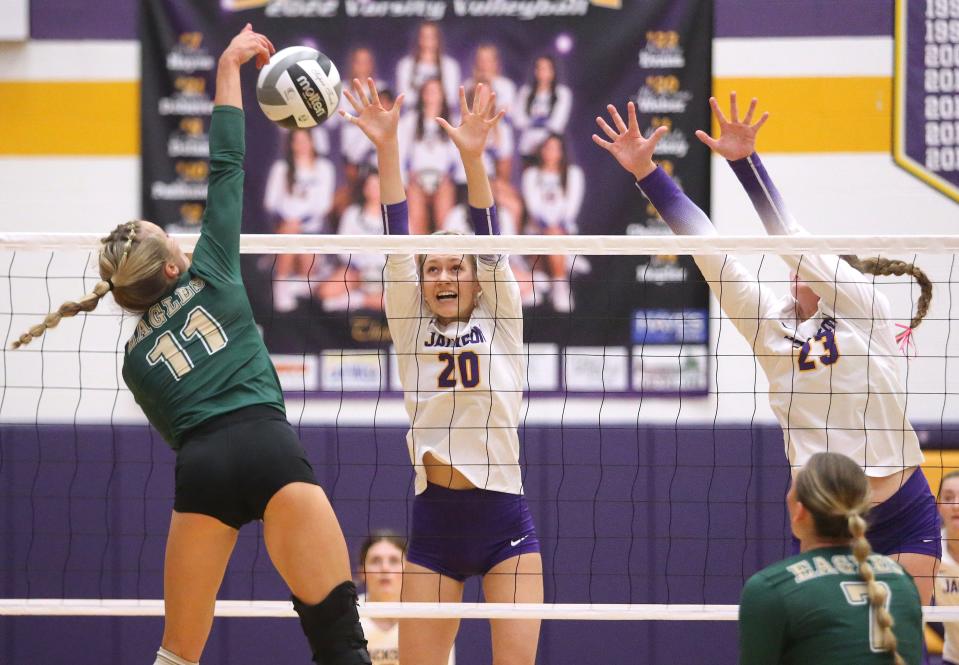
x: 542, y: 107
x: 380, y: 570
x: 357, y: 151
x: 428, y: 160
x: 299, y: 194
x: 947, y: 580
x: 553, y: 193
x: 357, y: 283
x: 428, y: 62
x: 487, y: 69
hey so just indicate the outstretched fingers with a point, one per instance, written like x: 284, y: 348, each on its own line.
x: 750, y: 111
x: 605, y: 145
x: 617, y: 118
x: 718, y: 112
x: 733, y: 107
x: 463, y: 103
x: 353, y: 102
x: 374, y: 94
x: 360, y: 94
x: 710, y: 142
x: 762, y: 121
x: 606, y: 128
x: 631, y: 116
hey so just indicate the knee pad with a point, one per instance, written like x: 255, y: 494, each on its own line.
x: 333, y: 628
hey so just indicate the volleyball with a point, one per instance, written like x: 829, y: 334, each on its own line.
x: 299, y: 88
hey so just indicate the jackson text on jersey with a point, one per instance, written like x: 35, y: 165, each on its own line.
x: 474, y: 336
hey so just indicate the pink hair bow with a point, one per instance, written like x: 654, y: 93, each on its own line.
x: 906, y: 341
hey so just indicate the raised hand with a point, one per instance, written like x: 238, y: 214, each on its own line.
x: 737, y: 139
x: 631, y: 150
x: 476, y: 123
x: 248, y: 44
x: 376, y: 121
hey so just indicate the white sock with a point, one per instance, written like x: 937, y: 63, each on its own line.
x: 165, y: 657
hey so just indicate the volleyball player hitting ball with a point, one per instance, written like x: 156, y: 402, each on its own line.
x: 836, y: 601
x: 457, y: 325
x: 197, y: 366
x: 828, y: 350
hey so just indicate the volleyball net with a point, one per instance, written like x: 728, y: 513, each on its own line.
x: 653, y: 465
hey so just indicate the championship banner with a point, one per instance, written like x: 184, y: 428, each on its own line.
x: 926, y: 134
x: 593, y: 325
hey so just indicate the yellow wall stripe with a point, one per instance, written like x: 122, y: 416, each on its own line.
x: 843, y: 114
x: 70, y: 118
x: 808, y: 115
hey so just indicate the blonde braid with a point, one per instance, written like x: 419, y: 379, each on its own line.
x: 883, y: 267
x: 70, y: 308
x: 861, y: 549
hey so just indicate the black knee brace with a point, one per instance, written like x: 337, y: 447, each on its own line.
x: 333, y: 628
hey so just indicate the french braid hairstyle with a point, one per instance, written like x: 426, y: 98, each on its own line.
x: 835, y: 491
x: 879, y: 266
x: 131, y: 266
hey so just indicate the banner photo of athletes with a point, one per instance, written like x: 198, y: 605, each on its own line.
x: 593, y: 325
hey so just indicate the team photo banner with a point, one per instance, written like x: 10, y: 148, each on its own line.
x: 593, y: 324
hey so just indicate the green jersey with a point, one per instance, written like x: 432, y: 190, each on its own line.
x: 813, y: 609
x: 197, y: 353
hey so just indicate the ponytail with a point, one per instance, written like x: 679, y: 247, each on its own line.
x: 131, y: 266
x: 87, y: 303
x: 882, y: 267
x: 878, y: 595
x: 835, y: 491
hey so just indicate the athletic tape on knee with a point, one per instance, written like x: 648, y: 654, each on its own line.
x: 165, y: 657
x: 333, y: 629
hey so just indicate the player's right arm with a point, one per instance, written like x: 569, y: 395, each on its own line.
x: 218, y: 250
x: 762, y: 624
x: 401, y: 290
x: 744, y: 300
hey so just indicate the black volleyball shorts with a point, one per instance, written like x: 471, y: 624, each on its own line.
x: 230, y: 466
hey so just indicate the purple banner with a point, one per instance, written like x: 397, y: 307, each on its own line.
x: 927, y: 92
x: 554, y: 64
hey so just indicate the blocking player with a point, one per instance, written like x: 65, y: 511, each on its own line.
x: 828, y: 349
x: 457, y: 325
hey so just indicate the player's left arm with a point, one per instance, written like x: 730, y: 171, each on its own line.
x: 844, y: 289
x: 494, y: 273
x: 762, y: 624
x: 218, y: 251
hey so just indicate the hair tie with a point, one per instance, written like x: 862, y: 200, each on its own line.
x: 109, y: 282
x: 906, y: 341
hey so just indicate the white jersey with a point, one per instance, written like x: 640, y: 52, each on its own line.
x: 542, y: 118
x: 548, y: 204
x: 428, y: 158
x: 835, y: 380
x: 384, y: 644
x: 462, y: 383
x: 947, y: 593
x: 356, y: 222
x: 411, y: 75
x: 355, y: 148
x: 308, y: 201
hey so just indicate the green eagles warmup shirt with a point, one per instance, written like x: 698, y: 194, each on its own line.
x: 813, y: 609
x: 197, y: 353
